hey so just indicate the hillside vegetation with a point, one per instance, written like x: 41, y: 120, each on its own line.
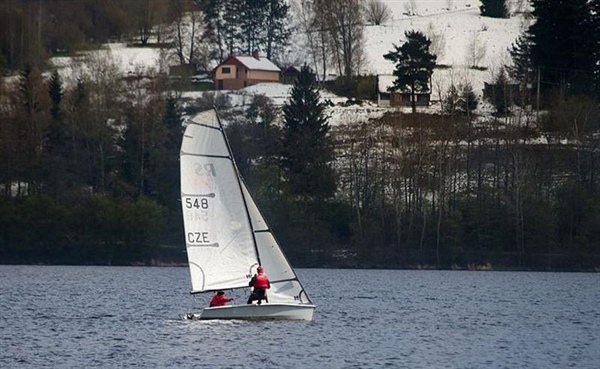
x: 89, y: 170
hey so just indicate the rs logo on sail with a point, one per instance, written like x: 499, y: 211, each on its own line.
x: 205, y: 170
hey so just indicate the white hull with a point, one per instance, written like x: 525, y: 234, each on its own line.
x: 265, y: 311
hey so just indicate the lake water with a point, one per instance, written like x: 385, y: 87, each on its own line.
x: 109, y: 317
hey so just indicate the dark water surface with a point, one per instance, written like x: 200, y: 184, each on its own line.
x: 113, y: 317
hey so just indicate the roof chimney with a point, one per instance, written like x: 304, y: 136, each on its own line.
x: 255, y: 55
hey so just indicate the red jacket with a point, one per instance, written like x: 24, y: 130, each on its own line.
x: 262, y: 281
x: 219, y: 300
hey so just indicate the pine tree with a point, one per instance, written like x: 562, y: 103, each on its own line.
x: 252, y: 24
x: 494, y: 8
x: 168, y: 172
x: 595, y: 32
x: 79, y: 110
x: 468, y: 99
x: 307, y: 150
x: 414, y: 65
x: 277, y: 32
x: 246, y: 26
x: 57, y: 140
x: 34, y: 104
x: 213, y: 27
x: 501, y: 98
x: 451, y: 100
x: 461, y: 99
x: 561, y: 45
x: 56, y: 93
x: 232, y: 36
x: 521, y: 68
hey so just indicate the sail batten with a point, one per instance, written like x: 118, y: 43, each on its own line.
x: 206, y: 156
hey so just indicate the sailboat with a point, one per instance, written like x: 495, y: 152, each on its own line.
x: 227, y: 238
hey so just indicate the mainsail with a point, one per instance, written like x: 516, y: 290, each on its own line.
x: 226, y: 235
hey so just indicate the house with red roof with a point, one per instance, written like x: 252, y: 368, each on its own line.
x: 237, y: 72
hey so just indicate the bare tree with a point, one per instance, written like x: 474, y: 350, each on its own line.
x: 475, y: 51
x: 438, y: 41
x: 101, y: 74
x: 316, y: 34
x: 345, y: 26
x: 377, y: 12
x: 186, y: 32
x: 145, y: 14
x: 410, y: 7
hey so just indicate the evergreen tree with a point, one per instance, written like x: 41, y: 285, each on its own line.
x: 451, y: 100
x: 561, y: 45
x: 500, y: 95
x: 167, y: 180
x: 57, y: 140
x: 595, y: 35
x: 414, y: 65
x: 79, y: 109
x: 252, y: 24
x: 521, y: 68
x: 277, y: 31
x: 246, y: 26
x: 494, y: 8
x: 468, y: 99
x: 232, y: 36
x: 213, y: 27
x: 461, y: 99
x: 33, y: 105
x: 55, y: 90
x: 307, y: 149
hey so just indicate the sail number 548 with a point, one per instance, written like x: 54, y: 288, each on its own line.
x: 196, y: 203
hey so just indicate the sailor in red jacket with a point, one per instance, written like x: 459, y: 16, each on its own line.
x: 261, y: 283
x: 219, y: 299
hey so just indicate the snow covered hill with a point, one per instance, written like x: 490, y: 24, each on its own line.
x: 459, y: 30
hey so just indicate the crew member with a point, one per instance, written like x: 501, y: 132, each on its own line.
x: 260, y: 283
x: 219, y: 299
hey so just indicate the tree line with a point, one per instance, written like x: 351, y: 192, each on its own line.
x: 195, y: 32
x: 93, y: 163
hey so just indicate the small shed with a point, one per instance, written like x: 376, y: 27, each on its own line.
x: 290, y: 74
x: 387, y: 96
x: 512, y: 91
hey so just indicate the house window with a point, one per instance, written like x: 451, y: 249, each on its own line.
x: 226, y: 70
